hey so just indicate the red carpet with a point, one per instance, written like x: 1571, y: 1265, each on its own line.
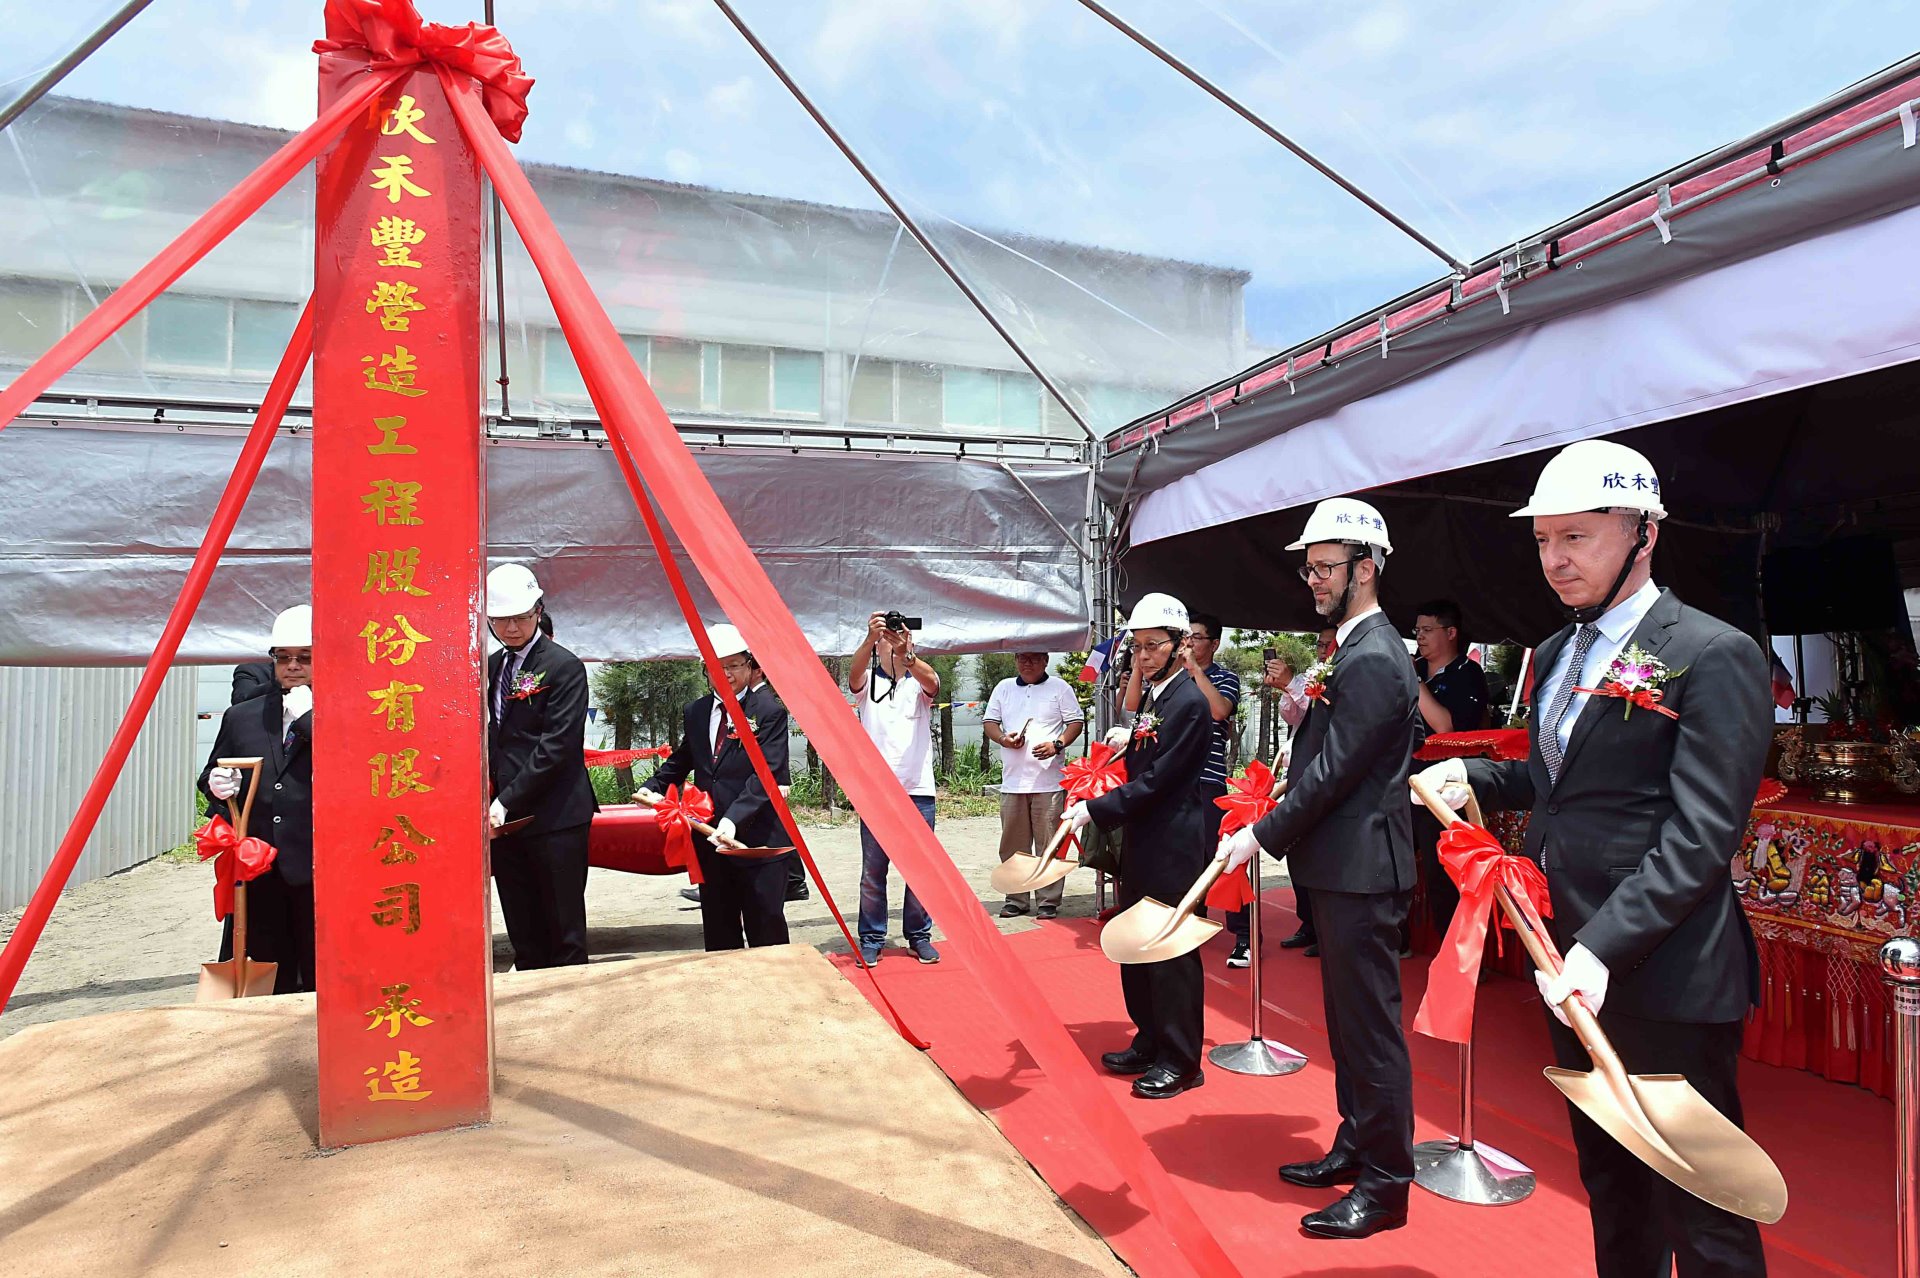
x: 1834, y: 1143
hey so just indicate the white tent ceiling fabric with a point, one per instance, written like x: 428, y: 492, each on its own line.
x: 1821, y: 308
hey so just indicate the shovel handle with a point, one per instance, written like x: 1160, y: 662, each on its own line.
x: 700, y: 826
x: 1215, y: 868
x: 253, y: 787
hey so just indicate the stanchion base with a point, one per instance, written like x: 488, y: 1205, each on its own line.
x: 1261, y: 1057
x: 1481, y: 1175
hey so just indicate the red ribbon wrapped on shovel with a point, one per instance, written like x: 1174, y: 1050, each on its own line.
x: 1248, y: 798
x: 235, y: 860
x: 676, y: 812
x: 1102, y: 771
x: 1477, y: 863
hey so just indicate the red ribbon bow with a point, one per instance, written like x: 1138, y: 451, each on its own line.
x: 234, y: 860
x: 676, y: 813
x: 393, y: 35
x: 1645, y: 698
x: 1101, y: 772
x: 1478, y: 864
x: 1248, y: 798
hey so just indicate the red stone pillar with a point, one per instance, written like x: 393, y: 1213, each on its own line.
x: 401, y: 894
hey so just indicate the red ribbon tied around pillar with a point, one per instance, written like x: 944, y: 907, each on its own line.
x: 1478, y: 864
x: 1248, y: 798
x: 676, y: 813
x: 235, y: 860
x: 394, y: 35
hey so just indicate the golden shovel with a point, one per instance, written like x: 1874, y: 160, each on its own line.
x: 1150, y: 932
x: 1659, y: 1118
x: 1024, y: 872
x: 239, y: 976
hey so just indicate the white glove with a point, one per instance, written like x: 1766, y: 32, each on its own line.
x: 723, y: 831
x: 1448, y: 779
x: 1581, y: 973
x: 497, y: 815
x: 1077, y: 817
x: 298, y: 701
x: 223, y: 783
x: 646, y: 796
x: 1117, y: 736
x: 1240, y: 847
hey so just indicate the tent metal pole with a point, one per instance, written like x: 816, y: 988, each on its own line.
x: 1252, y: 117
x: 58, y: 71
x: 906, y: 219
x: 499, y: 284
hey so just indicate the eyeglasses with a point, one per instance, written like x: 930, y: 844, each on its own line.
x: 524, y: 619
x: 1421, y: 632
x: 734, y: 667
x: 1151, y: 644
x: 292, y: 658
x: 1323, y: 571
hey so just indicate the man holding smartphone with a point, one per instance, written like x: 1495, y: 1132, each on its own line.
x: 1045, y: 718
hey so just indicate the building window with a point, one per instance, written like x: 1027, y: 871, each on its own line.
x: 872, y: 396
x: 559, y: 375
x: 988, y: 400
x: 261, y: 331
x: 797, y: 382
x: 745, y: 380
x: 676, y: 372
x: 32, y: 319
x: 188, y: 333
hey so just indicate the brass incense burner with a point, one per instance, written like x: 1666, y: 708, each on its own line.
x: 1847, y: 771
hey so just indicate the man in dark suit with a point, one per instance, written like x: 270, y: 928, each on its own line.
x: 1347, y: 833
x: 1160, y: 808
x: 743, y: 899
x: 1637, y: 814
x: 250, y: 679
x: 537, y: 729
x: 275, y: 726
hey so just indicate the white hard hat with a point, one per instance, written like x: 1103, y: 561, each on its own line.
x: 511, y: 591
x: 1158, y: 612
x: 1595, y: 474
x: 292, y: 628
x: 726, y: 641
x: 1344, y: 519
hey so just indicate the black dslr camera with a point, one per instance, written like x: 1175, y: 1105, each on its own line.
x: 895, y: 621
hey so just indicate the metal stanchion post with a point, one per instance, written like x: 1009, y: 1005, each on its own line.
x: 1900, y: 965
x: 1464, y: 1171
x: 1258, y: 1055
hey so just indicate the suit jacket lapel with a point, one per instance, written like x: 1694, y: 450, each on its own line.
x: 270, y: 707
x: 1651, y: 634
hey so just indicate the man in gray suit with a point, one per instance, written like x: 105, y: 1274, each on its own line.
x: 1650, y: 728
x: 1347, y: 833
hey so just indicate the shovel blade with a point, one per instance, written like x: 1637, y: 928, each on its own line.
x: 1691, y: 1143
x: 1151, y: 932
x: 221, y: 981
x: 1024, y: 872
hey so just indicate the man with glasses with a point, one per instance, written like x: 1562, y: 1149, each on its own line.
x: 1221, y: 687
x: 1453, y: 698
x: 1045, y: 718
x: 1347, y: 833
x: 1294, y: 704
x: 275, y: 726
x: 537, y: 731
x: 742, y: 899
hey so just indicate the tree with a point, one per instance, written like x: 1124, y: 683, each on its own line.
x: 992, y: 668
x: 945, y: 667
x: 837, y: 668
x: 644, y: 701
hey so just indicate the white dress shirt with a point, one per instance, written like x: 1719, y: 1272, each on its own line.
x: 1616, y: 625
x: 1346, y: 627
x: 719, y: 710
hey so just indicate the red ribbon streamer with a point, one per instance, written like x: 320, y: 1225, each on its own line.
x: 1478, y: 864
x: 619, y: 758
x: 394, y: 36
x: 234, y: 860
x: 1645, y: 698
x: 1248, y: 798
x: 1232, y: 891
x: 641, y: 430
x: 1501, y: 743
x: 677, y: 812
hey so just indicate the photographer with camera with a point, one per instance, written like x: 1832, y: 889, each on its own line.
x: 893, y: 690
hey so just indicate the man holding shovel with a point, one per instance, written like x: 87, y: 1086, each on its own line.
x: 277, y: 728
x: 1161, y: 809
x: 1650, y: 727
x: 1348, y: 836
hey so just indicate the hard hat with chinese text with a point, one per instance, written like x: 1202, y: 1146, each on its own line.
x: 1595, y: 474
x: 1345, y: 519
x: 292, y: 628
x: 1156, y: 611
x: 512, y: 590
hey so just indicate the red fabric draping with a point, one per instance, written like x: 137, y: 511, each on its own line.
x: 1771, y: 791
x: 394, y: 36
x: 641, y: 431
x: 1104, y: 769
x: 618, y: 758
x: 235, y: 860
x: 1501, y: 743
x: 676, y: 812
x: 1248, y: 798
x: 253, y: 453
x: 1478, y: 864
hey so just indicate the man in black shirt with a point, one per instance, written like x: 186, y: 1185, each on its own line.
x: 1453, y: 698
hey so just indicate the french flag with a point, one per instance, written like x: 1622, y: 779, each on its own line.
x: 1097, y: 661
x: 1782, y: 683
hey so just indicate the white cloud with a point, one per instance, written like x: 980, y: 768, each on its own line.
x: 735, y: 99
x: 682, y: 166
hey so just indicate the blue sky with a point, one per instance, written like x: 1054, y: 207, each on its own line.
x: 1479, y: 122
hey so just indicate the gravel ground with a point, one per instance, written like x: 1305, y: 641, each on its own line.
x: 137, y: 939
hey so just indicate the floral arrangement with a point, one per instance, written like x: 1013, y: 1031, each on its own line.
x: 1317, y: 676
x: 525, y: 686
x: 1637, y: 677
x: 1144, y: 727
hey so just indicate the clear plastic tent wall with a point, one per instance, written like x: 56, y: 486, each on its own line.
x: 1130, y: 238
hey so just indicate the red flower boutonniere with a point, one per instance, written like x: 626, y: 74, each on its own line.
x: 1144, y: 727
x: 1636, y: 677
x: 733, y: 733
x: 527, y: 686
x: 1317, y: 676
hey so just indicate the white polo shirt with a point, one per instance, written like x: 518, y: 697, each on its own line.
x: 1045, y: 708
x: 900, y: 723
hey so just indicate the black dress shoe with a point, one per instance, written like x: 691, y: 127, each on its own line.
x: 1160, y: 1082
x: 1127, y: 1062
x: 1355, y: 1216
x: 1312, y: 950
x: 1322, y: 1173
x: 1298, y: 939
x: 799, y: 892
